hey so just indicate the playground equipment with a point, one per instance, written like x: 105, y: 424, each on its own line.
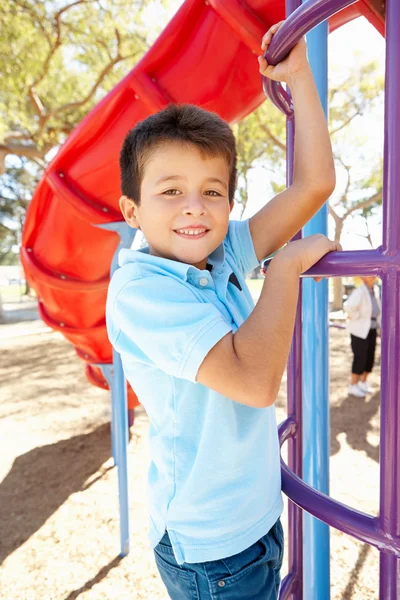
x: 73, y: 230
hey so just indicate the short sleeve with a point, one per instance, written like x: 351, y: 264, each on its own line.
x: 240, y: 245
x: 160, y: 321
x: 352, y: 304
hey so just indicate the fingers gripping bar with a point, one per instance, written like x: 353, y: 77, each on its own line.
x: 301, y: 21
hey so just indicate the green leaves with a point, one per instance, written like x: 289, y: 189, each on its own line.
x: 58, y: 59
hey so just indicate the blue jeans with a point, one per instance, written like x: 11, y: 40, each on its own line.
x: 252, y: 574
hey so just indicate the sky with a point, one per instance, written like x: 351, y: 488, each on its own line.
x: 351, y: 44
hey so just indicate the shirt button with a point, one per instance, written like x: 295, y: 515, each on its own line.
x: 203, y: 281
x: 221, y: 583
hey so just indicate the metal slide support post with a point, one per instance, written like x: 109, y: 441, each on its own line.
x: 389, y: 514
x: 119, y: 441
x: 119, y: 405
x: 119, y: 399
x: 316, y: 431
x: 108, y: 373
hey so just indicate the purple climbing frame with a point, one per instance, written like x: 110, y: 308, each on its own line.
x: 382, y: 531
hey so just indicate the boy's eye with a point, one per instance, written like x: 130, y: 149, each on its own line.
x: 175, y: 192
x: 172, y: 192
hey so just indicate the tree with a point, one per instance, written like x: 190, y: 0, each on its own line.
x: 259, y: 142
x: 260, y: 139
x: 58, y: 59
x: 359, y: 197
x: 15, y: 194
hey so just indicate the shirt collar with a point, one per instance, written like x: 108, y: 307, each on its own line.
x: 216, y: 259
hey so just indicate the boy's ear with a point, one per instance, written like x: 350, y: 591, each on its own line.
x: 231, y: 205
x: 129, y: 211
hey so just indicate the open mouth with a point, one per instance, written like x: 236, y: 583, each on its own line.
x: 192, y: 233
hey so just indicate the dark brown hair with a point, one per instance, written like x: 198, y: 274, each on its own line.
x: 183, y: 123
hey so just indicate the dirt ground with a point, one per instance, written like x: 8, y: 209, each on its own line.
x: 59, y: 529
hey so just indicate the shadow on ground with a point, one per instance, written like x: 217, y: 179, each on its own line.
x: 104, y: 571
x: 53, y: 472
x: 356, y: 428
x: 348, y: 592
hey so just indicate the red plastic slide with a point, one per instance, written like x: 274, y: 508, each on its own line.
x: 205, y: 56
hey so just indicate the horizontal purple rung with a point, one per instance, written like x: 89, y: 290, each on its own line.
x: 352, y: 263
x: 301, y: 21
x: 353, y: 522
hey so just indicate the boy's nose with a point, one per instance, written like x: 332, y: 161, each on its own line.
x: 194, y: 205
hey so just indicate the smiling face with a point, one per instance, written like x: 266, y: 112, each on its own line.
x: 184, y: 205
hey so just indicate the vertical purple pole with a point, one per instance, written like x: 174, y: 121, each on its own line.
x: 294, y: 392
x: 390, y: 390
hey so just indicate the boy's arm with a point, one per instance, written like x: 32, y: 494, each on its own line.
x: 314, y: 171
x: 247, y: 366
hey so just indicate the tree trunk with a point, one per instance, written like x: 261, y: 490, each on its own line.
x: 337, y: 281
x: 337, y: 293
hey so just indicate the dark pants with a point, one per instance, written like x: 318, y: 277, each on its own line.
x: 364, y: 353
x: 252, y: 574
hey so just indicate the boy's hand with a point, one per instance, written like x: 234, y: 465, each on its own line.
x: 293, y: 64
x: 303, y: 254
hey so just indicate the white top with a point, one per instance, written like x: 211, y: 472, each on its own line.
x: 358, y: 307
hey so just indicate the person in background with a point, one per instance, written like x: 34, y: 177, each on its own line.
x: 363, y: 309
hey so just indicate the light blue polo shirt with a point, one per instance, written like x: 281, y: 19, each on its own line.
x: 214, y: 477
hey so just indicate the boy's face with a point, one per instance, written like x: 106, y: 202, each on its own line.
x: 184, y: 207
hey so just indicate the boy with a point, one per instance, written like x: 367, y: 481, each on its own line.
x: 206, y: 366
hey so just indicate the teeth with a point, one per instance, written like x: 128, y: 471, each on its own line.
x: 191, y: 231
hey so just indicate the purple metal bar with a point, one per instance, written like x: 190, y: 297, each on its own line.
x: 353, y: 522
x: 292, y: 585
x: 389, y: 517
x: 306, y: 17
x: 355, y: 262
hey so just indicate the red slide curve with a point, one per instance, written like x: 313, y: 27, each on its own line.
x: 205, y: 56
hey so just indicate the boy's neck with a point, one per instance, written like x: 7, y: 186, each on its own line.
x: 203, y: 265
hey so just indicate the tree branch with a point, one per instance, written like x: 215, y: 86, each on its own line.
x: 91, y: 93
x: 334, y: 214
x: 345, y: 123
x: 37, y: 18
x: 269, y: 133
x: 36, y: 102
x: 29, y: 151
x: 32, y: 94
x: 343, y: 197
x: 363, y: 204
x: 17, y: 135
x: 368, y: 236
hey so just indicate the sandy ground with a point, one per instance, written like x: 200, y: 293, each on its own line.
x: 59, y: 529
